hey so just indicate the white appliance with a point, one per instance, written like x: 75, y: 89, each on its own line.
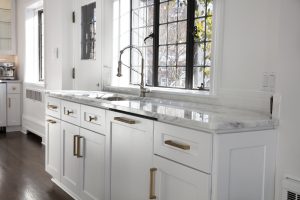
x: 2, y: 104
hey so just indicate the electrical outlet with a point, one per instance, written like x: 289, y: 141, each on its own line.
x: 269, y: 82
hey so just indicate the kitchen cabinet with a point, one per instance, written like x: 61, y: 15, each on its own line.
x: 2, y: 104
x: 53, y: 126
x: 174, y: 181
x: 131, y: 156
x: 7, y: 27
x: 70, y: 163
x: 13, y: 104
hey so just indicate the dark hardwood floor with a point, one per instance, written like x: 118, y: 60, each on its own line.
x: 22, y: 170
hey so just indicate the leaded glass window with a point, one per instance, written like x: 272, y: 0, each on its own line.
x: 178, y: 45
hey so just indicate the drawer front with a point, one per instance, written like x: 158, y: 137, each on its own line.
x: 53, y: 107
x: 13, y: 88
x: 93, y: 119
x: 189, y: 147
x: 70, y: 112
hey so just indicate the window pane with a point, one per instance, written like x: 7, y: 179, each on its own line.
x: 163, y: 34
x: 200, y: 8
x: 182, y: 10
x: 162, y: 76
x: 162, y: 56
x: 150, y: 15
x: 199, y: 30
x: 172, y: 16
x: 201, y: 78
x: 142, y: 17
x: 208, y: 58
x: 172, y: 55
x: 135, y: 37
x: 182, y: 32
x: 150, y: 2
x: 209, y: 7
x: 172, y: 33
x: 135, y: 18
x: 181, y: 55
x: 176, y: 77
x: 163, y: 15
x: 209, y: 29
x: 198, y: 54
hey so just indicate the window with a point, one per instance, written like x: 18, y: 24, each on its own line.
x: 176, y: 39
x: 41, y: 45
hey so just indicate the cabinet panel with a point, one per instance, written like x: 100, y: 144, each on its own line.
x: 92, y: 165
x: 3, y: 104
x: 13, y: 109
x: 13, y: 88
x: 70, y: 112
x: 131, y: 157
x: 7, y: 27
x: 53, y: 147
x: 93, y: 118
x: 53, y: 107
x: 178, y: 182
x: 70, y: 163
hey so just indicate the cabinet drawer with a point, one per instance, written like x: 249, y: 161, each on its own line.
x: 53, y: 107
x: 13, y: 88
x: 70, y: 112
x: 189, y: 147
x: 93, y: 118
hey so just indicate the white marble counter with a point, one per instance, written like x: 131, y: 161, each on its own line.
x: 208, y: 118
x: 10, y: 81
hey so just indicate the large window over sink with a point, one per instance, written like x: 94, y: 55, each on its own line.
x: 176, y: 39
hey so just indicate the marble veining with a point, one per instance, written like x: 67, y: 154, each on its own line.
x: 203, y: 117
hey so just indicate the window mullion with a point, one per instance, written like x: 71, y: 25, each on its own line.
x: 190, y: 44
x: 156, y: 42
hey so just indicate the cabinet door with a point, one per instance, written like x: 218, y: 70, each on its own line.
x: 13, y: 109
x: 131, y: 156
x: 70, y: 164
x: 92, y: 165
x: 53, y: 147
x: 174, y: 181
x: 2, y: 104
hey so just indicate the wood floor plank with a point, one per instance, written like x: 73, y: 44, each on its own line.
x: 22, y: 170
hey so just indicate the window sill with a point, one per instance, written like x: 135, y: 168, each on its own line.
x: 35, y: 84
x: 156, y: 92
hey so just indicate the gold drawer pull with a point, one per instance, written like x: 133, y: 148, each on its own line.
x: 75, y: 145
x: 92, y: 118
x: 51, y: 121
x: 178, y: 145
x: 79, y: 149
x: 125, y: 120
x: 69, y: 112
x: 152, y: 183
x: 52, y: 107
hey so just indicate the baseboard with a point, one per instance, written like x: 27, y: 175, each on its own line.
x: 10, y: 129
x: 74, y: 196
x: 33, y: 125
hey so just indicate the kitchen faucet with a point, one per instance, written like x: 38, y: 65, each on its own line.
x: 143, y: 89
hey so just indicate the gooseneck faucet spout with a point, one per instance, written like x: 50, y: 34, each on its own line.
x: 143, y: 89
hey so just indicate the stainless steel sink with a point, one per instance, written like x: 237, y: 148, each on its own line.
x: 114, y: 98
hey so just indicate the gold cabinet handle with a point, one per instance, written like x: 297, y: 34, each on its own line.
x: 152, y: 183
x: 80, y: 138
x: 51, y: 121
x: 92, y: 118
x: 178, y: 145
x: 75, y: 145
x: 125, y: 120
x: 69, y: 112
x: 54, y: 107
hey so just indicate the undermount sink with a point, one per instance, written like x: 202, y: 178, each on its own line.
x: 113, y: 98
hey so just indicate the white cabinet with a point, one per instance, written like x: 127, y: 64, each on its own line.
x: 174, y: 181
x: 53, y: 147
x: 131, y: 156
x: 7, y: 27
x: 13, y: 104
x: 92, y: 166
x: 83, y: 162
x: 2, y: 104
x: 70, y: 163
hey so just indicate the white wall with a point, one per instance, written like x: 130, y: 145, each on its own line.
x: 288, y: 70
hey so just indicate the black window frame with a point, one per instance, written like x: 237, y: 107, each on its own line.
x: 190, y: 42
x: 40, y: 44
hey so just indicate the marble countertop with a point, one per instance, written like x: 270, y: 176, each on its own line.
x: 203, y: 117
x: 10, y: 81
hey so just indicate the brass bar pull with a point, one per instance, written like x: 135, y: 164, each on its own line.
x: 152, y: 183
x: 52, y: 107
x: 125, y: 120
x: 178, y: 145
x: 51, y: 121
x: 75, y: 144
x: 92, y: 118
x: 79, y: 149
